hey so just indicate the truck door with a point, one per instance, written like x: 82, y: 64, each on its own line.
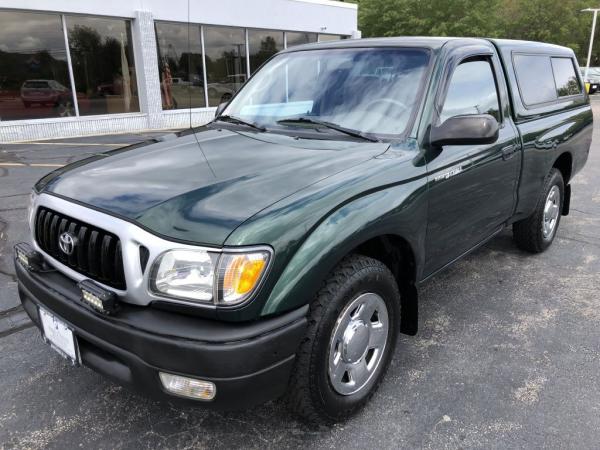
x: 472, y: 189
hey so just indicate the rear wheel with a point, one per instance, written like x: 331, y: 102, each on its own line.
x: 536, y: 233
x: 353, y: 326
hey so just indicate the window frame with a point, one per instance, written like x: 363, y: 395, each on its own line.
x: 558, y: 100
x: 487, y: 56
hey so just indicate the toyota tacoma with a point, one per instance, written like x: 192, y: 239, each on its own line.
x: 278, y: 250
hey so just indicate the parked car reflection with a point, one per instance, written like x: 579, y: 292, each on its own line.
x: 222, y: 91
x: 43, y: 92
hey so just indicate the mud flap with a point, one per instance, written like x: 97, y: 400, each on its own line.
x: 567, y: 200
x: 409, y: 304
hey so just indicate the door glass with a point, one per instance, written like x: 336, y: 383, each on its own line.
x: 472, y: 91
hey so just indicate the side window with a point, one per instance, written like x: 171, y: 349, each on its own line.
x: 543, y: 79
x: 472, y: 90
x: 534, y: 75
x: 567, y: 82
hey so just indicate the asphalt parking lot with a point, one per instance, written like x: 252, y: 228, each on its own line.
x: 507, y: 356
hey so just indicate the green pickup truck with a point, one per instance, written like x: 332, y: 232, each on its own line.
x: 278, y: 250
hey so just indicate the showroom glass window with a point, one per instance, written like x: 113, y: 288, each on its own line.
x: 180, y: 65
x: 34, y: 77
x: 263, y: 44
x: 225, y: 57
x: 103, y: 66
x: 329, y: 37
x: 294, y: 38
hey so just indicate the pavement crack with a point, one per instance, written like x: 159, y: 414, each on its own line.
x: 581, y: 241
x: 25, y: 326
x: 11, y: 311
x: 14, y: 195
x: 584, y: 212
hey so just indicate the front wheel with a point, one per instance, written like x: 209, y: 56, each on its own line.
x: 535, y: 233
x: 353, y: 326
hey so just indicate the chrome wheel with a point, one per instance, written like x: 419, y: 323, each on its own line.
x: 357, y: 344
x: 551, y: 212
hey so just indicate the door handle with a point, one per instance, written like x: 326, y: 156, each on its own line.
x: 508, y: 151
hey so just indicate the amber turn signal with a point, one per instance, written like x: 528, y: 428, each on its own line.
x: 240, y: 274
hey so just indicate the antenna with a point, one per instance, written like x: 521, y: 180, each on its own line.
x: 189, y: 57
x: 189, y: 64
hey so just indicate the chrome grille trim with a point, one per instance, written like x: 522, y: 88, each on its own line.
x: 131, y: 237
x: 97, y: 253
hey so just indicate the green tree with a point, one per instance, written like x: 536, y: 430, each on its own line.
x: 558, y: 22
x: 427, y: 18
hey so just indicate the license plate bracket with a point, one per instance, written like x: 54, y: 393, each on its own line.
x: 59, y: 336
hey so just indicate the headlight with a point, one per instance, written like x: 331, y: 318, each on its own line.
x: 186, y: 274
x: 205, y: 277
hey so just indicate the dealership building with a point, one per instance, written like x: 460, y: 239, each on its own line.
x: 73, y: 68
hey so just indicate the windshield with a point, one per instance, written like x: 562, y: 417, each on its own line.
x: 372, y: 91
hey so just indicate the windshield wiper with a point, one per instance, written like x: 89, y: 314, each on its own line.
x: 233, y: 119
x: 332, y: 126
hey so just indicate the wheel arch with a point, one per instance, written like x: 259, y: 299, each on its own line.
x: 386, y: 224
x: 398, y: 255
x: 394, y: 251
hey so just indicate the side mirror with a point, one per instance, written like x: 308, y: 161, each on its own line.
x: 466, y: 130
x: 220, y: 109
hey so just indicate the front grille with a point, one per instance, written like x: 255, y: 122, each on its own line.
x: 97, y: 253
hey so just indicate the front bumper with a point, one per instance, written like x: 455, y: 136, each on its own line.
x: 249, y: 363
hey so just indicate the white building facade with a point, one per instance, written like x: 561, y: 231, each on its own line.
x: 74, y: 68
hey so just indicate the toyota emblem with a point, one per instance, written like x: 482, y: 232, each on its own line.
x: 67, y: 242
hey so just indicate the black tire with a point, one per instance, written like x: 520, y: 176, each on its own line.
x: 529, y: 233
x: 310, y: 394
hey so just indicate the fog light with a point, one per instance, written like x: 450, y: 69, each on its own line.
x: 98, y: 298
x: 188, y: 387
x: 28, y: 257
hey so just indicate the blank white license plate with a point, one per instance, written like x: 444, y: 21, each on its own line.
x: 59, y: 336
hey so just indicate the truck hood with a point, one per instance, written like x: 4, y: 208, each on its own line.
x: 199, y: 188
